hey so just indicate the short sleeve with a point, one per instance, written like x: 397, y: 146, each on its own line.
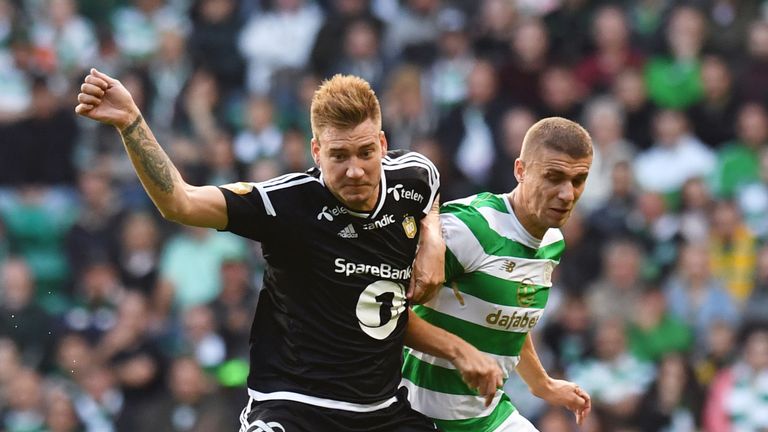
x: 250, y: 212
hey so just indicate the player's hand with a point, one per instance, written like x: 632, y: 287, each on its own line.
x: 480, y: 372
x: 105, y: 99
x: 569, y: 395
x: 427, y: 278
x: 428, y: 272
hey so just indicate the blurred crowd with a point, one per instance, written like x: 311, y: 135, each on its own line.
x: 112, y: 319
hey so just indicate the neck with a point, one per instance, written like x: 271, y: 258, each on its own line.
x: 522, y: 214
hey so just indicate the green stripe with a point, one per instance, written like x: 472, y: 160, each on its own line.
x: 501, y: 291
x: 453, y: 267
x: 491, y: 341
x: 487, y: 199
x: 492, y: 242
x: 435, y: 378
x: 552, y: 251
x: 488, y: 423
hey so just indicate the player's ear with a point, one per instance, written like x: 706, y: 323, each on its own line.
x: 315, y: 150
x: 384, y: 144
x: 519, y: 170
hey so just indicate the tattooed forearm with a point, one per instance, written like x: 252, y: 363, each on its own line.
x: 154, y: 161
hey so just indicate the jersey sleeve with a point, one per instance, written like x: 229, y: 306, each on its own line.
x: 463, y: 251
x: 250, y: 212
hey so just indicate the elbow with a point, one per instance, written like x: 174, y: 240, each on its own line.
x: 173, y: 212
x: 170, y: 214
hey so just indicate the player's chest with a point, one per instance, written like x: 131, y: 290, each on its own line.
x: 395, y: 226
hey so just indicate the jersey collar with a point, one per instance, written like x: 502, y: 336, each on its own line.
x: 379, y: 202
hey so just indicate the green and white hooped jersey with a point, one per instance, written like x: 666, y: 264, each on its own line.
x: 498, y: 283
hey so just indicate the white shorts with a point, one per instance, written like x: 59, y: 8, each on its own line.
x: 516, y: 423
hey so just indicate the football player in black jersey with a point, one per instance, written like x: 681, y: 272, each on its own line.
x: 340, y: 242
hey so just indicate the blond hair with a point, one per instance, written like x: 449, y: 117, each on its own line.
x: 343, y: 102
x: 558, y: 134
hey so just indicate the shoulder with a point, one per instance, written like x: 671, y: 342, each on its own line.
x: 273, y: 195
x: 475, y: 205
x: 292, y: 181
x: 410, y: 164
x: 479, y: 213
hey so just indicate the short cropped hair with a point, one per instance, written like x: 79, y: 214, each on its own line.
x: 558, y: 134
x: 343, y: 102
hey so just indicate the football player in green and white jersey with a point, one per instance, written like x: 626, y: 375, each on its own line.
x: 500, y: 253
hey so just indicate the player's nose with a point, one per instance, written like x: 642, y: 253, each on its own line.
x: 354, y: 170
x: 566, y: 192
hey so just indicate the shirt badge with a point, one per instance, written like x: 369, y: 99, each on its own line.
x: 409, y: 225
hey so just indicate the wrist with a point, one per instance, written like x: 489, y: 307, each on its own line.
x: 128, y: 120
x: 542, y: 387
x: 456, y: 350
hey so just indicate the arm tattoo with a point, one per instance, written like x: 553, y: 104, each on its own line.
x: 153, y: 160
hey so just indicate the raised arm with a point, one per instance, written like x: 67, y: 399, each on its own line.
x: 106, y: 100
x: 554, y: 391
x: 478, y: 370
x: 429, y: 265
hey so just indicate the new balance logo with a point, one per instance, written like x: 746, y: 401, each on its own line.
x: 261, y: 426
x: 508, y: 266
x: 348, y: 232
x: 398, y: 191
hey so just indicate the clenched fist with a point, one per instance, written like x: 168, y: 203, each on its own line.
x: 105, y: 99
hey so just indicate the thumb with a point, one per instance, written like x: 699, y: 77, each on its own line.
x: 411, y: 289
x: 97, y: 73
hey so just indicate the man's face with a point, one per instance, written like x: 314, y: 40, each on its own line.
x: 551, y: 184
x: 351, y: 163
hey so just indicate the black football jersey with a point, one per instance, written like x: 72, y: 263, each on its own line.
x: 331, y: 317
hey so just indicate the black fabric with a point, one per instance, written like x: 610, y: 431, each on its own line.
x: 331, y: 317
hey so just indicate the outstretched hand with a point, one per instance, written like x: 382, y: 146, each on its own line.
x: 569, y: 395
x: 105, y: 99
x: 481, y: 372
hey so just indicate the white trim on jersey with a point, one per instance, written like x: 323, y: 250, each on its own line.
x: 443, y: 406
x: 382, y: 195
x: 321, y: 402
x: 365, y: 215
x: 282, y: 182
x: 270, y: 209
x: 282, y: 179
x: 413, y: 162
x: 290, y: 183
x: 414, y: 156
x: 418, y: 161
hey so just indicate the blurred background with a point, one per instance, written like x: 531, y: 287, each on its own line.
x: 112, y: 319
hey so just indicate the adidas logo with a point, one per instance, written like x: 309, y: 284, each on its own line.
x: 348, y: 232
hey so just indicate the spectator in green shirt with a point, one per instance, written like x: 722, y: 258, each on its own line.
x: 738, y: 162
x: 674, y: 81
x: 653, y: 332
